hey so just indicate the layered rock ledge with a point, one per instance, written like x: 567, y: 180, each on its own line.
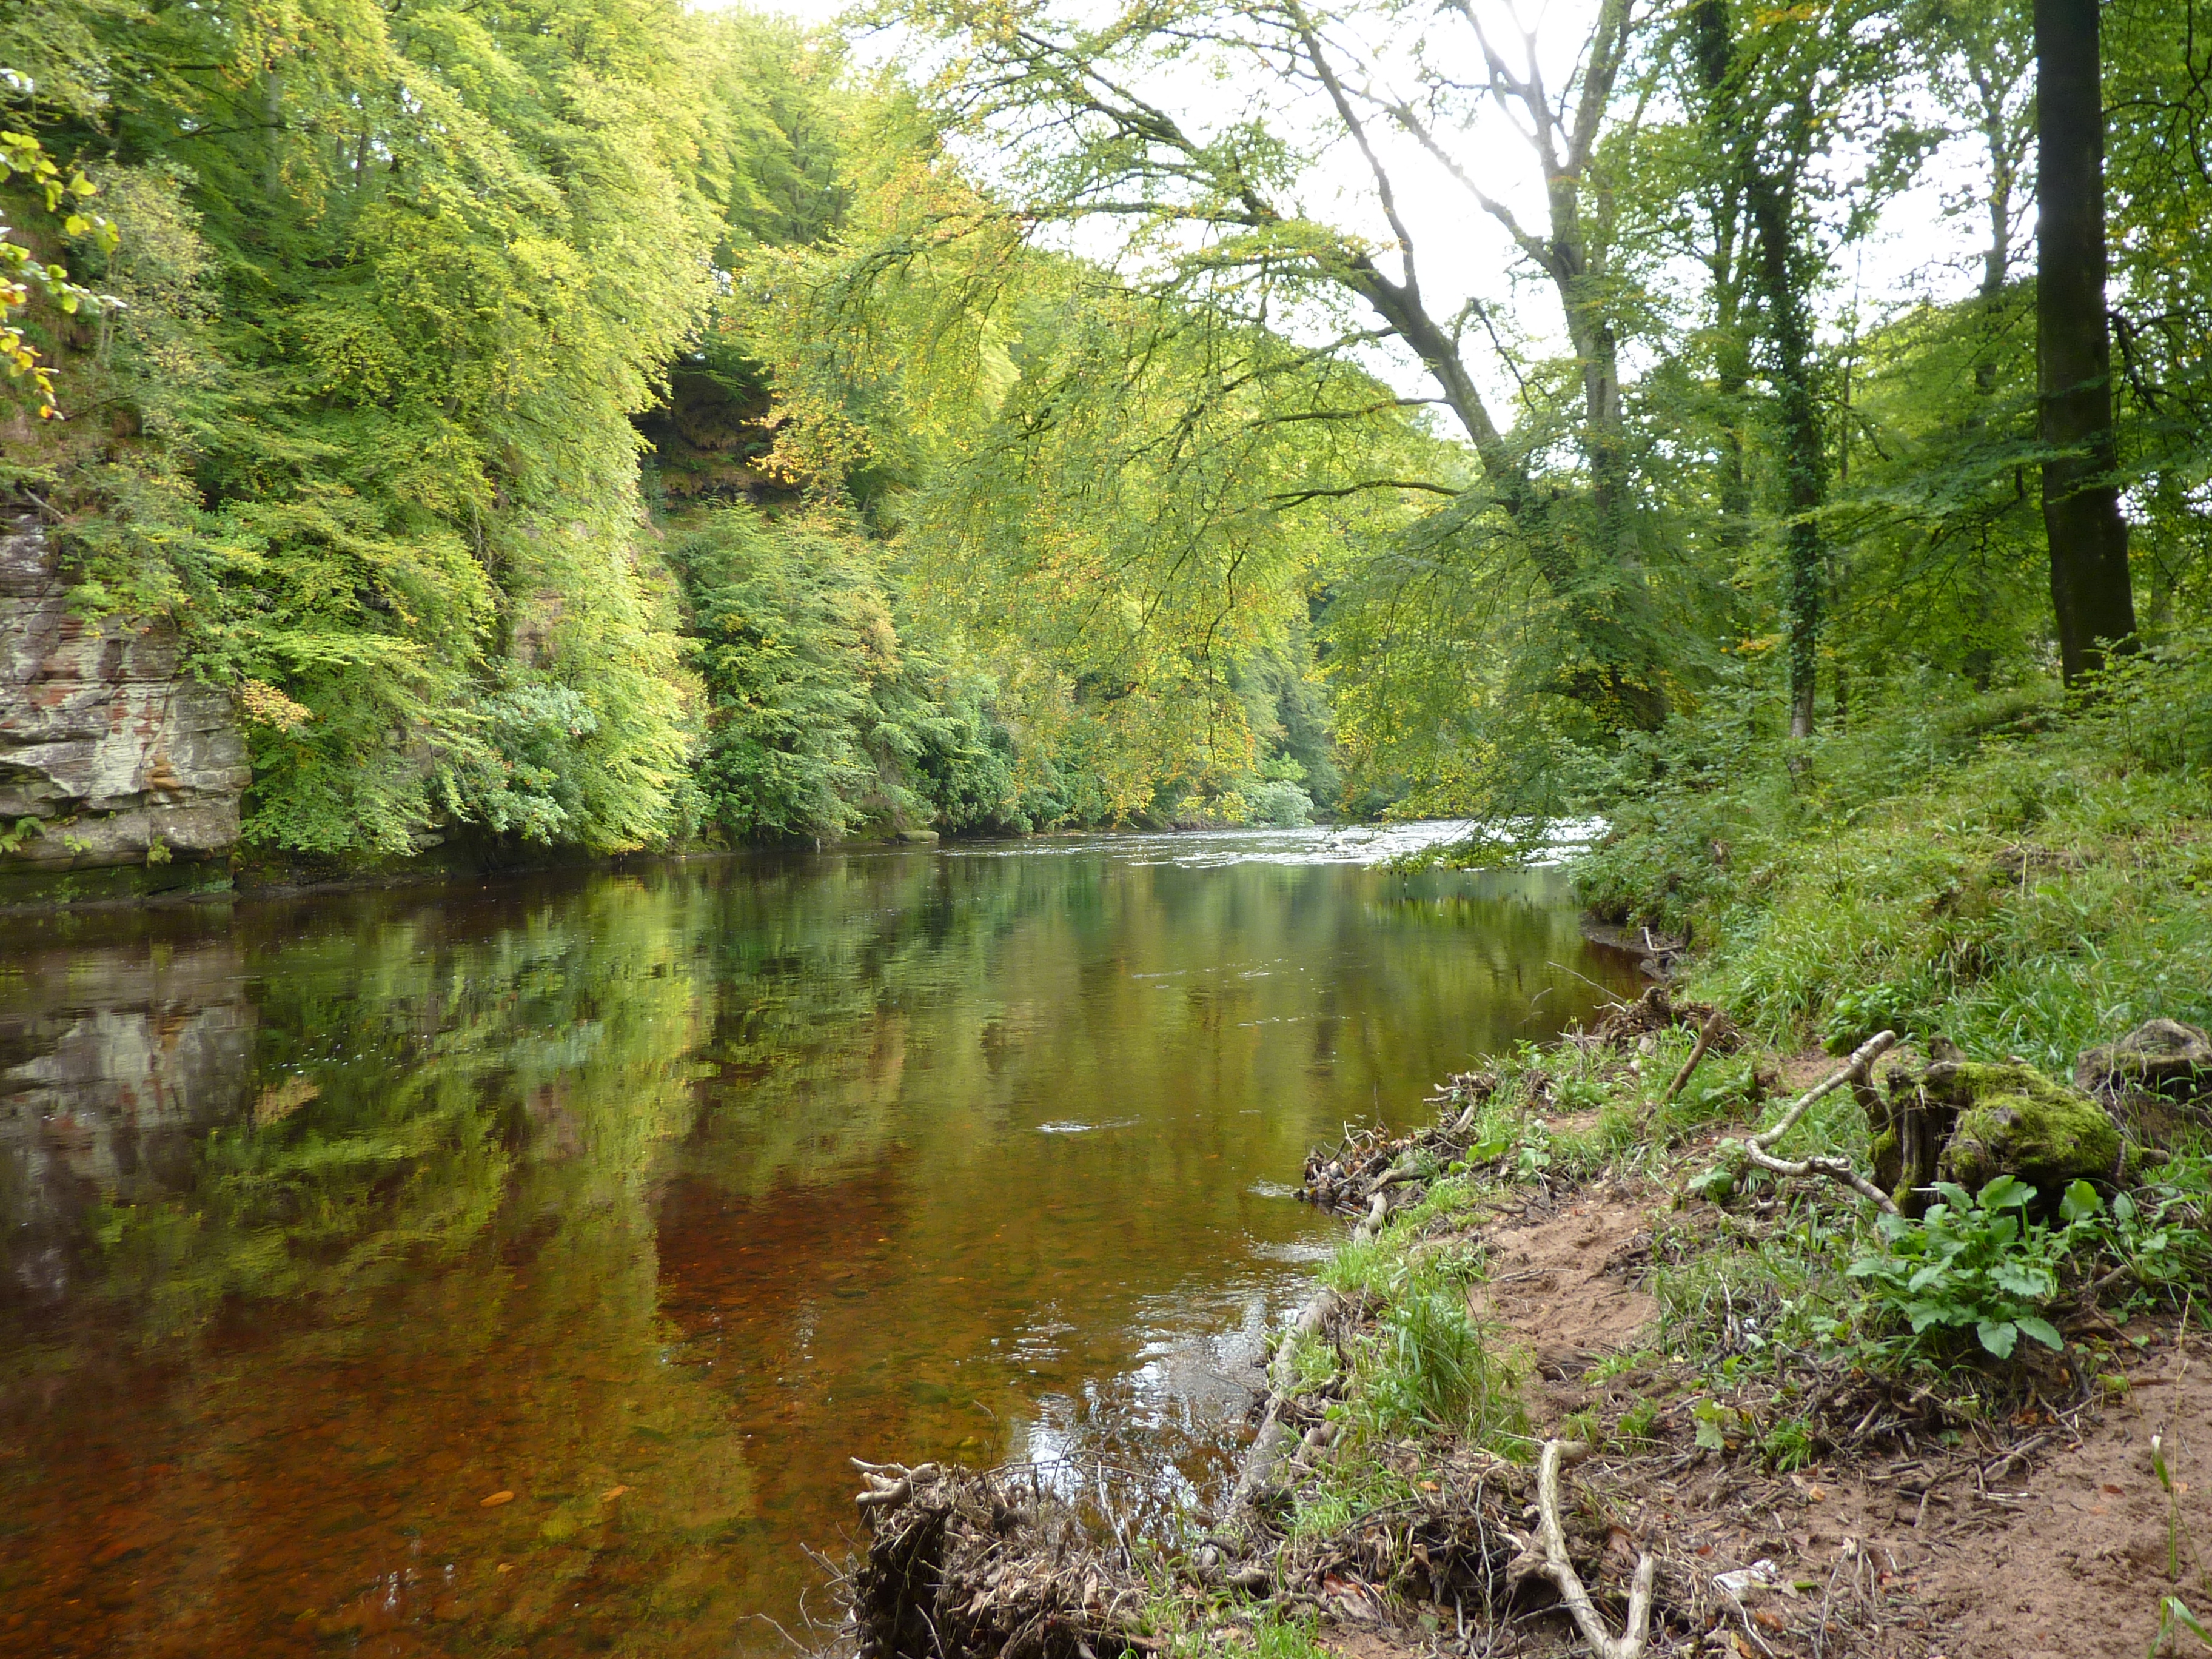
x: 110, y: 754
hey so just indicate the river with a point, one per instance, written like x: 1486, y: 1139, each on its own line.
x: 503, y: 1267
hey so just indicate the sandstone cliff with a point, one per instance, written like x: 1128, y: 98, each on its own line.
x: 114, y: 753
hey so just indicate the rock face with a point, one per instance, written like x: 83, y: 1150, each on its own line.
x: 2160, y: 1057
x: 116, y: 755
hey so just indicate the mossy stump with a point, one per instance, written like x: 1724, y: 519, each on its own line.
x: 1971, y: 1121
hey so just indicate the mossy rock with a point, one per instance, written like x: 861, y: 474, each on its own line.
x: 2014, y: 1120
x: 2159, y: 1057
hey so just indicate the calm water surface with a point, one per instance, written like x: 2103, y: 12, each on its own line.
x: 650, y: 1198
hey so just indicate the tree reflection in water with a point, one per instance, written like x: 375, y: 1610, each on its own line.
x: 651, y: 1197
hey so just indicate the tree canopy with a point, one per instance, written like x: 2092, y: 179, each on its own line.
x: 595, y: 422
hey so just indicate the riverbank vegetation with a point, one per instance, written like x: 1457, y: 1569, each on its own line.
x: 602, y: 425
x: 1994, y: 868
x: 1587, y: 1365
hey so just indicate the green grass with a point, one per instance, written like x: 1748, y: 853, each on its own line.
x: 1938, y: 867
x: 1993, y: 869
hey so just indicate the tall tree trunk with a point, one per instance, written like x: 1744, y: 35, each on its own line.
x: 1804, y: 448
x: 272, y: 122
x: 2090, y: 590
x: 1731, y: 377
x: 1752, y: 262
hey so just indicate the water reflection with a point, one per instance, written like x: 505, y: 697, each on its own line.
x: 648, y: 1199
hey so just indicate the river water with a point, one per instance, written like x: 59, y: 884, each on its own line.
x: 649, y: 1198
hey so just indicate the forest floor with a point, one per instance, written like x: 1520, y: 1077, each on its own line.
x: 2040, y: 1534
x: 1537, y: 1268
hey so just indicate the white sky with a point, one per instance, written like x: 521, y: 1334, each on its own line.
x: 1463, y: 253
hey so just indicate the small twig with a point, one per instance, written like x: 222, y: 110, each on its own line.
x: 1828, y: 1596
x: 1611, y: 1000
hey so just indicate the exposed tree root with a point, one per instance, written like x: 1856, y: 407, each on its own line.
x: 1756, y: 1149
x: 1269, y: 1445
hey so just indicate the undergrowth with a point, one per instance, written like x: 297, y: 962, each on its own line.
x: 1761, y: 1285
x: 2012, y: 875
x: 2018, y: 877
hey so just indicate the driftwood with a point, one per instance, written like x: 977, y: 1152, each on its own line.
x: 1758, y: 1149
x: 1348, y: 1178
x: 1626, y: 1024
x: 1274, y: 1435
x: 965, y: 1564
x: 1546, y: 1556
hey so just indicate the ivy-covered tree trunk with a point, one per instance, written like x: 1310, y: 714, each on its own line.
x: 2090, y: 590
x: 1803, y: 456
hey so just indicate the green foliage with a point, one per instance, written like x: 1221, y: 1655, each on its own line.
x: 1637, y: 1424
x: 27, y: 170
x: 826, y: 709
x: 1428, y: 1369
x: 2174, y: 1615
x: 1072, y: 490
x: 1982, y: 1262
x: 1855, y: 1015
x: 1973, y: 1262
x: 1789, y: 1444
x: 407, y: 299
x: 377, y: 367
x: 2023, y: 879
x: 2156, y: 1230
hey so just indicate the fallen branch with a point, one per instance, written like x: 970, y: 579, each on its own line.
x: 1378, y: 1207
x: 1706, y: 1033
x: 1754, y: 1149
x: 1268, y: 1446
x: 1555, y: 1564
x: 890, y: 1485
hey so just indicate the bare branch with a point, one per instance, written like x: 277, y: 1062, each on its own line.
x: 1555, y: 1564
x: 1345, y: 113
x: 1422, y: 134
x: 1299, y: 497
